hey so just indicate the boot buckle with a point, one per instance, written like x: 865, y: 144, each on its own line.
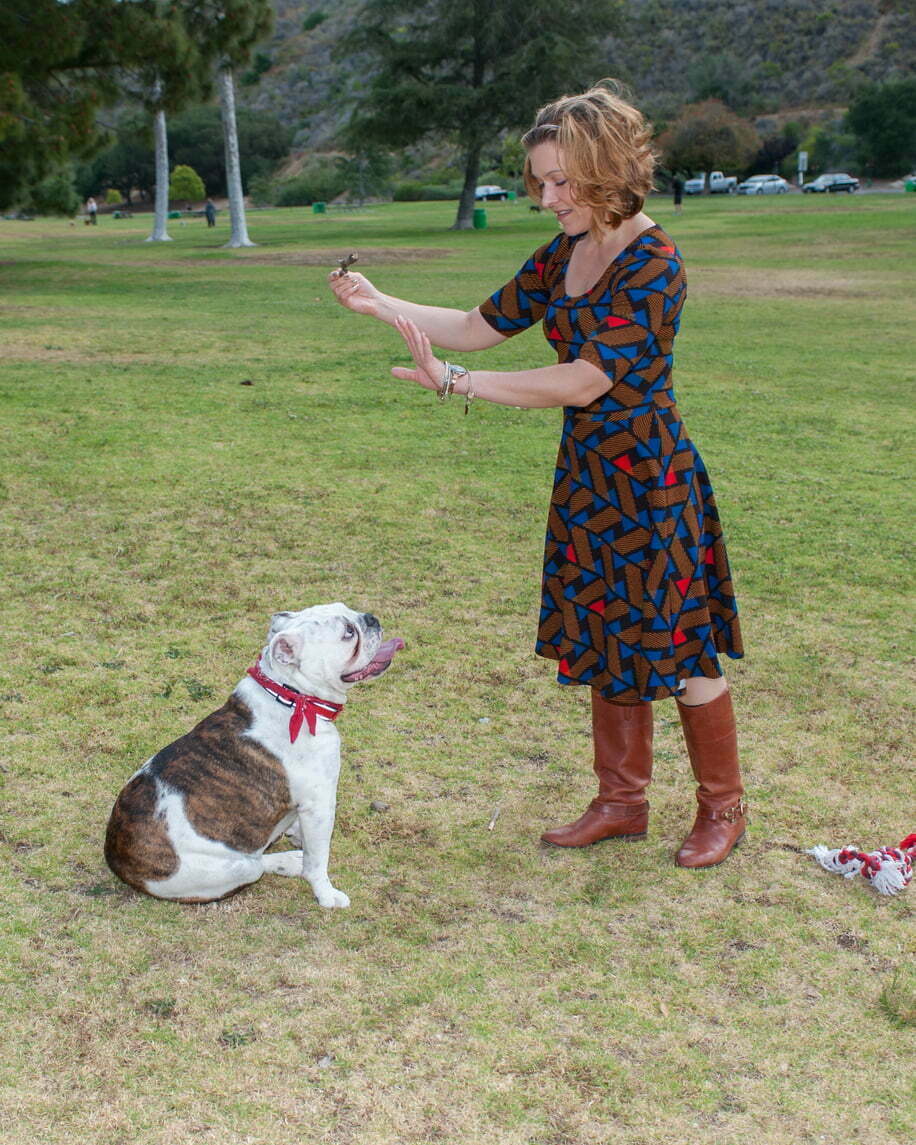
x: 733, y: 814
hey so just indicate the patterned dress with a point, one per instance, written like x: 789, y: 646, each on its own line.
x: 637, y: 593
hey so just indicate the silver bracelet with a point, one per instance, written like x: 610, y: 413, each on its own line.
x: 452, y: 373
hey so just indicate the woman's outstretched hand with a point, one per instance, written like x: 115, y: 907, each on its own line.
x: 356, y: 292
x: 430, y: 369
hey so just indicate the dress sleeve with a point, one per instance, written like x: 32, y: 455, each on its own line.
x: 524, y: 298
x: 640, y: 317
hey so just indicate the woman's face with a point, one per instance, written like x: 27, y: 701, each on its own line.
x: 556, y: 192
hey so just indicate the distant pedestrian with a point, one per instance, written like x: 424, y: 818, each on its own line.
x: 677, y: 187
x: 92, y: 210
x: 210, y: 212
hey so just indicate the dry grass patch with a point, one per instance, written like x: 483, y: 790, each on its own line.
x: 775, y: 284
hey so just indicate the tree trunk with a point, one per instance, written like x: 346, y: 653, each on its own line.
x: 465, y: 218
x: 239, y: 236
x: 160, y: 234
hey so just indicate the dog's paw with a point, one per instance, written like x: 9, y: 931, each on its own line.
x: 332, y: 898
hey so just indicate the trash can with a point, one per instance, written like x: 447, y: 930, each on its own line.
x: 319, y: 208
x: 511, y: 196
x: 480, y: 219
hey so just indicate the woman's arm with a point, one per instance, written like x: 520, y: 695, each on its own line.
x: 571, y: 384
x: 450, y: 329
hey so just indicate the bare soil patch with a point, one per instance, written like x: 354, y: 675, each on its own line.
x: 779, y: 283
x: 368, y: 256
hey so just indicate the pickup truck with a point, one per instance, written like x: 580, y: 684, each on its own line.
x: 716, y: 183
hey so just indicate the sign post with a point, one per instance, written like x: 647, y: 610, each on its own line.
x: 802, y: 166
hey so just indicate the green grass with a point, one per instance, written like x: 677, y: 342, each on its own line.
x: 155, y: 512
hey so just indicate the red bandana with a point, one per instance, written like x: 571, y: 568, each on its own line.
x: 307, y: 708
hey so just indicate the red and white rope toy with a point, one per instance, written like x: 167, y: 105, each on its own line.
x: 888, y: 869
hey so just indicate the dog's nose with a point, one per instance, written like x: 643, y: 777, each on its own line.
x: 370, y: 621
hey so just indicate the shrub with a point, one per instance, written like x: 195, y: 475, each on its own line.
x: 319, y: 181
x: 186, y: 184
x: 408, y: 193
x: 412, y: 192
x: 54, y: 195
x: 113, y: 196
x: 263, y: 191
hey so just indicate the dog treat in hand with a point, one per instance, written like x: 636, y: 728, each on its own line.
x: 346, y: 262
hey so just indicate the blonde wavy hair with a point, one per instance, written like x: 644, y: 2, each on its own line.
x: 605, y: 144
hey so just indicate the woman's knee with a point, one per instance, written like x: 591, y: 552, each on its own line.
x: 699, y: 690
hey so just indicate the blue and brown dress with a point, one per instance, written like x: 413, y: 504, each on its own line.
x: 637, y: 593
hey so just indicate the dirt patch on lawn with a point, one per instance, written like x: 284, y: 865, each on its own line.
x: 368, y: 256
x: 795, y: 283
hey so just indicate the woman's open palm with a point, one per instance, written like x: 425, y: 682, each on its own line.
x: 429, y: 369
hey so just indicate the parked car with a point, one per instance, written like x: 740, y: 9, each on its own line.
x: 829, y: 183
x: 715, y: 183
x: 763, y: 185
x: 490, y: 191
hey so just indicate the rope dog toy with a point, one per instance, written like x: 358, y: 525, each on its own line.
x: 889, y: 869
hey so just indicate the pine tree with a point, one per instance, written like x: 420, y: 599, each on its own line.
x: 61, y: 62
x: 470, y: 71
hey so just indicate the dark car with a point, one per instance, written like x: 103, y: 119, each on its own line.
x: 824, y: 184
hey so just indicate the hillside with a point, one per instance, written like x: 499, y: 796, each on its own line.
x: 763, y: 56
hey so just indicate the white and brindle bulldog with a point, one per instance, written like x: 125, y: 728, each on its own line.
x: 194, y: 822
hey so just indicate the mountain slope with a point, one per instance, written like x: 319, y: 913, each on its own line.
x: 761, y: 56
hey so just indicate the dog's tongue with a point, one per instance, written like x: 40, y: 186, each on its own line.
x: 384, y: 654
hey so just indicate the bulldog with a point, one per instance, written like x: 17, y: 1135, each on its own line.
x: 193, y: 824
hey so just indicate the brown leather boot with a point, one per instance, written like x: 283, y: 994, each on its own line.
x: 622, y: 735
x: 712, y: 744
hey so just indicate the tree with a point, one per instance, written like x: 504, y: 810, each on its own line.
x: 196, y: 138
x: 883, y: 120
x: 163, y: 82
x: 186, y: 184
x: 777, y: 146
x: 231, y: 29
x: 54, y: 195
x: 468, y: 72
x: 709, y: 137
x: 60, y: 62
x: 127, y: 164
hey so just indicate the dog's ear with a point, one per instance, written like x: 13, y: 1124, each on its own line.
x: 277, y: 621
x: 286, y: 647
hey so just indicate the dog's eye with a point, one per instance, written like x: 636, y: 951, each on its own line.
x: 349, y: 632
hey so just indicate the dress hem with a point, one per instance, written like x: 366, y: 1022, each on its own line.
x: 660, y: 693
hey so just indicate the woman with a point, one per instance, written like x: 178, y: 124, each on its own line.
x: 637, y: 597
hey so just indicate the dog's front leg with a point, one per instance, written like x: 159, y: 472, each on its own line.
x: 316, y: 825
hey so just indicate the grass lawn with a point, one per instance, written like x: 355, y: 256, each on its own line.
x: 194, y: 438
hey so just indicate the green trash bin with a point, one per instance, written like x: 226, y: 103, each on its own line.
x: 511, y: 196
x: 319, y: 208
x: 480, y: 219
